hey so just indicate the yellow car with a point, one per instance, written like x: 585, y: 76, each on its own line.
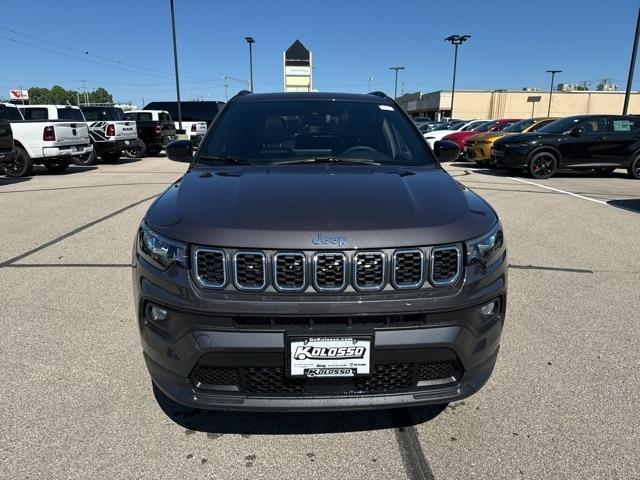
x: 478, y: 147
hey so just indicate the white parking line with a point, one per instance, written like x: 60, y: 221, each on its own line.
x: 559, y: 191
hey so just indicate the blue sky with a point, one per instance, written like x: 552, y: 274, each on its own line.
x: 513, y: 43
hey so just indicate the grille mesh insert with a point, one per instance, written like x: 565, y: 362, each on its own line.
x: 329, y: 271
x: 290, y: 271
x: 211, y: 268
x: 408, y: 268
x: 250, y: 270
x: 444, y: 265
x: 369, y: 270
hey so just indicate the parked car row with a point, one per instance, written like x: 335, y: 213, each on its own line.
x: 542, y: 146
x: 57, y: 135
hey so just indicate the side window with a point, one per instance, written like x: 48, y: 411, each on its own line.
x: 165, y: 118
x: 594, y: 126
x: 624, y: 125
x: 144, y: 117
x: 130, y: 116
x: 36, y: 114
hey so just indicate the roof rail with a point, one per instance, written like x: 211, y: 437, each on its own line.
x: 242, y: 93
x: 379, y: 94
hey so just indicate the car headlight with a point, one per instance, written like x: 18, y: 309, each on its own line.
x: 159, y: 250
x: 486, y: 249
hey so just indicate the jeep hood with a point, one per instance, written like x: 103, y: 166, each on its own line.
x: 286, y: 207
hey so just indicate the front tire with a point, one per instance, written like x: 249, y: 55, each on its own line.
x: 543, y: 165
x: 22, y: 166
x: 634, y: 168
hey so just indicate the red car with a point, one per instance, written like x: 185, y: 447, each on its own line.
x: 490, y: 126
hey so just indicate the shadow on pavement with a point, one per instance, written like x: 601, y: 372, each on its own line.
x: 292, y: 423
x: 633, y: 204
x: 12, y: 180
x: 40, y: 170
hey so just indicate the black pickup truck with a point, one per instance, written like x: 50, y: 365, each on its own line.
x: 8, y: 153
x: 155, y: 130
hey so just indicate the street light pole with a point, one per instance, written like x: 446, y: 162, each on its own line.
x: 175, y: 62
x: 250, y: 41
x: 455, y: 40
x: 395, y: 89
x: 632, y: 66
x: 553, y: 75
x: 370, y: 78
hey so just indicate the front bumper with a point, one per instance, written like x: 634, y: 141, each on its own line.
x: 66, y: 151
x: 510, y: 158
x: 478, y: 152
x: 200, y: 331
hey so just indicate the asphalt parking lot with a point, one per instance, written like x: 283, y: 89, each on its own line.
x: 76, y: 400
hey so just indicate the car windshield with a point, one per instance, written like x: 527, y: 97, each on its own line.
x: 292, y: 131
x: 485, y: 127
x: 520, y: 126
x: 561, y: 126
x: 472, y: 126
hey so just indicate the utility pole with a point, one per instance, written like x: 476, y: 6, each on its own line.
x: 84, y: 89
x: 553, y: 75
x: 175, y: 61
x: 632, y: 66
x: 370, y: 78
x: 395, y: 89
x: 455, y: 40
x: 226, y: 88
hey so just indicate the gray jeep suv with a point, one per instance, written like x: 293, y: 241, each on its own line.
x: 315, y: 256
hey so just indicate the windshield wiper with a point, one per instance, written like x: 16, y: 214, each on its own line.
x: 225, y: 159
x: 334, y: 160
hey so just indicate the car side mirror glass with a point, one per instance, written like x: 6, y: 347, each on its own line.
x: 576, y: 132
x: 446, y: 151
x: 180, y: 151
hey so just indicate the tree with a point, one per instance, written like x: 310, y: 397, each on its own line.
x: 60, y: 96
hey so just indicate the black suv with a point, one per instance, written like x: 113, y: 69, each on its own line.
x: 598, y: 142
x: 315, y: 256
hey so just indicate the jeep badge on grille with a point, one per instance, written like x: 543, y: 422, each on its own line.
x: 329, y: 239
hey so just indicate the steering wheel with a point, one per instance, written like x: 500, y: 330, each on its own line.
x: 359, y: 148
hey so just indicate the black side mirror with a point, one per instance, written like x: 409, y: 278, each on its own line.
x: 180, y: 150
x: 446, y: 151
x: 576, y: 132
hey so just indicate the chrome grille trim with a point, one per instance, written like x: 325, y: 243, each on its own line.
x: 237, y: 283
x: 196, y: 271
x: 451, y: 280
x: 354, y: 269
x: 304, y: 272
x: 315, y: 271
x: 394, y: 281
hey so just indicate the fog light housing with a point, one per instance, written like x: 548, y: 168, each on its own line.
x: 156, y: 313
x: 489, y: 309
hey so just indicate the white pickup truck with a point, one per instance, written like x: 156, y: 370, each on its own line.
x: 110, y: 132
x: 52, y: 143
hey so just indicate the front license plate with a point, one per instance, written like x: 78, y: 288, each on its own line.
x: 323, y: 357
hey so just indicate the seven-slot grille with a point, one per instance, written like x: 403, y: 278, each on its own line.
x: 445, y: 265
x: 250, y: 270
x: 408, y: 268
x: 290, y: 271
x: 327, y: 271
x: 369, y: 270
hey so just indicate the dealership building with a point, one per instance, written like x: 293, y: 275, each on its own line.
x: 515, y: 103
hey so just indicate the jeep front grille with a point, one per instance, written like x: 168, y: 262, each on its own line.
x: 445, y: 265
x: 290, y: 271
x: 250, y: 270
x: 369, y: 269
x: 329, y: 272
